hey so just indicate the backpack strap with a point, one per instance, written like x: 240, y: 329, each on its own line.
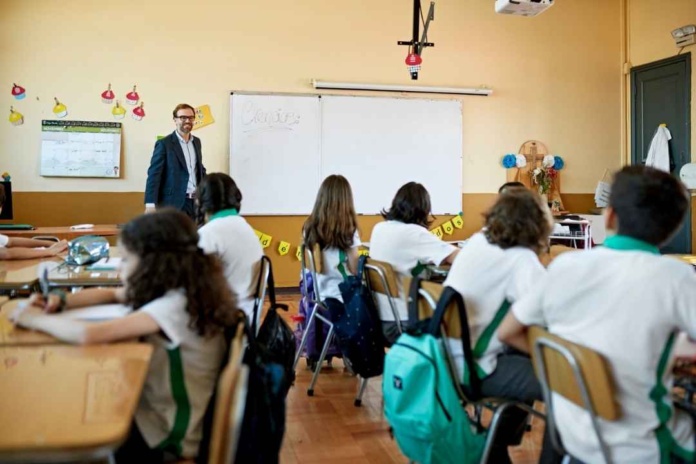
x: 413, y: 300
x: 471, y: 380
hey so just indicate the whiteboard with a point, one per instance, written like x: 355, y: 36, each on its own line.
x: 282, y: 146
x: 80, y: 149
x: 379, y: 144
x: 275, y: 152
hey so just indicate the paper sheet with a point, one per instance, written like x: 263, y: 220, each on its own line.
x: 97, y: 313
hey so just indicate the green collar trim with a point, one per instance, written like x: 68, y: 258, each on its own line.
x: 224, y: 213
x: 623, y: 242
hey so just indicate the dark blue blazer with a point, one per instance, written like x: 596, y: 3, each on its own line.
x: 168, y: 175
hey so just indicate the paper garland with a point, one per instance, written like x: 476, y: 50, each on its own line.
x: 283, y: 248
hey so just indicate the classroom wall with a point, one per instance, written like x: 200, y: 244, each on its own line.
x: 650, y: 25
x: 556, y: 78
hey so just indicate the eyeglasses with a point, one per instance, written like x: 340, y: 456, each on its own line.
x: 186, y: 118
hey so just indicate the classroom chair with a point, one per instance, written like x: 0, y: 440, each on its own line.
x: 429, y: 295
x: 229, y: 403
x: 577, y: 373
x: 50, y: 238
x: 380, y: 279
x: 309, y: 256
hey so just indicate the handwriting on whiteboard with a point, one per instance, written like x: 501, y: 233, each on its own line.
x: 261, y: 119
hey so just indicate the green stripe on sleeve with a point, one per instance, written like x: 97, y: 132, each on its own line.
x: 181, y: 401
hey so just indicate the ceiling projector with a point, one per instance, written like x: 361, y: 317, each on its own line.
x: 522, y: 7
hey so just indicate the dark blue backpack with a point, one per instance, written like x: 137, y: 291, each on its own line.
x: 358, y: 327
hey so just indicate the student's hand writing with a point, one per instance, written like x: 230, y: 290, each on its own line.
x: 58, y: 247
x: 51, y: 305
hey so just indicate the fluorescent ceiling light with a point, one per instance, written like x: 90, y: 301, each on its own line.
x: 483, y: 92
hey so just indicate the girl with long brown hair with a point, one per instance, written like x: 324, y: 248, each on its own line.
x: 333, y: 228
x: 181, y: 305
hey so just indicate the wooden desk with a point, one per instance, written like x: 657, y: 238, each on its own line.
x: 81, y: 276
x: 688, y: 259
x: 11, y: 335
x: 68, y: 402
x: 64, y: 232
x: 21, y: 274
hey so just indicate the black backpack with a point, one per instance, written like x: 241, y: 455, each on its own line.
x: 357, y: 325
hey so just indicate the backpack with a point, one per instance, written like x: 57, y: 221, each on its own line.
x: 421, y: 402
x: 357, y: 325
x: 318, y: 331
x: 275, y: 335
x: 263, y: 425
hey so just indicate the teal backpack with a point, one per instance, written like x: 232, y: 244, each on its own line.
x: 421, y: 403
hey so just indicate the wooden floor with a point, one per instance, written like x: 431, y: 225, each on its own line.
x: 329, y: 428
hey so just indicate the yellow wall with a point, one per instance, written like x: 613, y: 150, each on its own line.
x: 650, y: 25
x: 556, y: 77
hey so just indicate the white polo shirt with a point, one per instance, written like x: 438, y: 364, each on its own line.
x: 180, y: 380
x: 4, y: 239
x: 488, y: 277
x: 334, y: 270
x: 408, y: 248
x: 628, y: 303
x: 229, y: 236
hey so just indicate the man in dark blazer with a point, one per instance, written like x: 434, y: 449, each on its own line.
x: 176, y: 166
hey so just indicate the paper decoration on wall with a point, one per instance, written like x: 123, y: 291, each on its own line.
x: 448, y: 227
x: 258, y: 234
x: 437, y: 232
x: 60, y: 110
x: 265, y: 240
x: 18, y: 92
x: 138, y: 112
x: 118, y: 111
x: 283, y: 248
x: 108, y: 96
x: 363, y: 252
x: 132, y: 98
x: 457, y: 221
x: 203, y: 117
x: 6, y: 176
x: 298, y: 254
x: 16, y: 117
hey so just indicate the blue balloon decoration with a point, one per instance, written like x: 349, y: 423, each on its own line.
x: 509, y: 161
x: 558, y: 163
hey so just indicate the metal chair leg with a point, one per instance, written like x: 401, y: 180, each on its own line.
x: 361, y: 392
x: 324, y: 350
x: 303, y: 342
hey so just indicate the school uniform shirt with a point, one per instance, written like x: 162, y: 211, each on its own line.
x: 408, y: 248
x: 628, y: 303
x: 230, y: 237
x: 490, y: 279
x: 4, y: 239
x: 334, y: 270
x: 180, y: 380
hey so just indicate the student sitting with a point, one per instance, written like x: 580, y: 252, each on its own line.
x: 497, y: 267
x: 182, y: 304
x: 26, y: 248
x: 227, y: 234
x: 626, y: 302
x: 404, y: 241
x: 333, y: 227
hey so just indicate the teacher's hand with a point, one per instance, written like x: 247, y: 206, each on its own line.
x: 149, y: 209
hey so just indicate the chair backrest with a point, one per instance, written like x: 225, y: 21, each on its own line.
x: 430, y: 293
x: 308, y: 260
x: 229, y: 403
x: 50, y: 238
x: 568, y: 369
x: 261, y: 269
x: 381, y: 278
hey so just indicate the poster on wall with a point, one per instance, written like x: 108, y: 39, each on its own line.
x: 80, y: 149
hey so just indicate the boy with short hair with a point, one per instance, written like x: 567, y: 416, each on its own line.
x: 26, y: 248
x: 628, y: 303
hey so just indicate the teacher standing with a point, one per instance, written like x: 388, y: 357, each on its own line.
x: 176, y: 166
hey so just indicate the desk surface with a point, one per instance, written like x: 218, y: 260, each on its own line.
x: 11, y: 335
x: 21, y: 274
x: 82, y: 276
x: 69, y: 401
x: 64, y: 232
